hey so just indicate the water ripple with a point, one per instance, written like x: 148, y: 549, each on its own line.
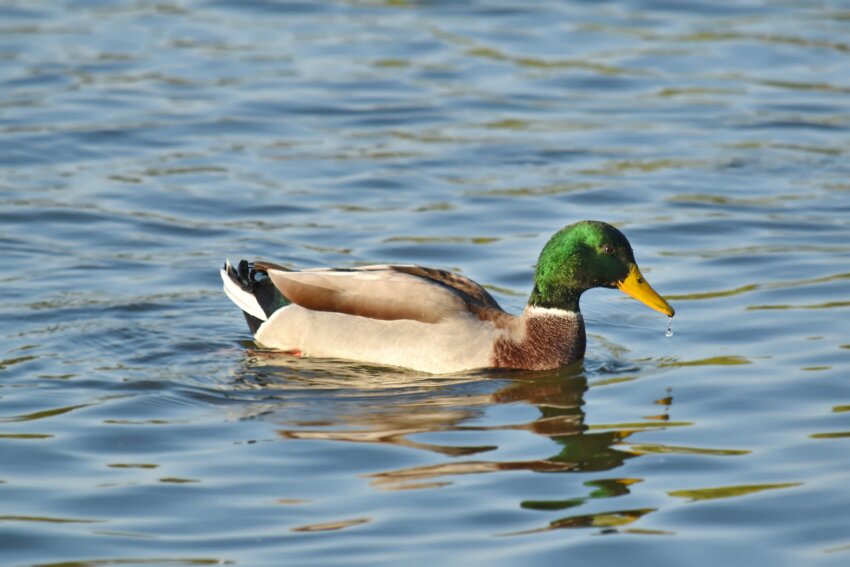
x: 142, y: 143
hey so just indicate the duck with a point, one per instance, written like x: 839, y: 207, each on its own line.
x: 436, y: 321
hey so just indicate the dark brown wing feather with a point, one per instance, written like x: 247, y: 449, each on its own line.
x: 459, y: 284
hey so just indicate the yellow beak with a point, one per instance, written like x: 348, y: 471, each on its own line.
x: 637, y: 287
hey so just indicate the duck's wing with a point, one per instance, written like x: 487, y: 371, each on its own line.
x: 385, y: 292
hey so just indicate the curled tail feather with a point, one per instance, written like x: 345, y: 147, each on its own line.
x: 249, y: 287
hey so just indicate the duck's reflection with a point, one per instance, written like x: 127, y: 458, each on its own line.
x: 396, y: 409
x: 392, y: 408
x: 560, y: 401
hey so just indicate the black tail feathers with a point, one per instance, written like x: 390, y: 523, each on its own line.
x: 252, y: 278
x: 245, y: 275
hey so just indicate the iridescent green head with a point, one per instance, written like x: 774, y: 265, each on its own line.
x: 585, y: 255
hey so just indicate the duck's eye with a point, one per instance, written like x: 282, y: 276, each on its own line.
x: 607, y: 249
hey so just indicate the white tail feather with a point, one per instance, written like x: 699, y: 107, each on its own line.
x: 245, y: 301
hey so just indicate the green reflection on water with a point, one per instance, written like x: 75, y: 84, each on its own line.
x: 391, y: 63
x: 550, y: 505
x: 25, y: 436
x: 838, y: 549
x: 331, y: 526
x: 535, y: 62
x: 42, y: 414
x: 443, y: 239
x: 508, y: 124
x: 714, y: 294
x: 640, y: 425
x: 758, y: 144
x: 671, y: 449
x: 606, y: 520
x: 728, y: 491
x: 711, y: 361
x: 613, y: 381
x: 540, y: 191
x: 835, y: 435
x: 603, y: 488
x: 617, y: 167
x: 47, y: 520
x: 504, y: 290
x: 804, y: 86
x: 712, y: 199
x: 4, y: 364
x: 827, y: 305
x: 690, y: 91
x: 716, y: 36
x: 753, y: 287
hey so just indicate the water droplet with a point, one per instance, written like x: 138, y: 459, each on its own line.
x: 669, y: 332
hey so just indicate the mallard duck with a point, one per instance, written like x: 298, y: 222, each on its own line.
x: 433, y: 320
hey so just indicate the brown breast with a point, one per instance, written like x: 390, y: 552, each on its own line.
x: 547, y: 341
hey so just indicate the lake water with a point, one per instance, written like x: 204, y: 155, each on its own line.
x: 142, y: 142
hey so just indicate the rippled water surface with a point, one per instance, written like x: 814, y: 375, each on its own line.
x: 142, y: 142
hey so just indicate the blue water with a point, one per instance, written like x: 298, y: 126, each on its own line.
x: 143, y: 142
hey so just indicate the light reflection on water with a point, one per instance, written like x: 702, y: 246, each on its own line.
x: 141, y: 143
